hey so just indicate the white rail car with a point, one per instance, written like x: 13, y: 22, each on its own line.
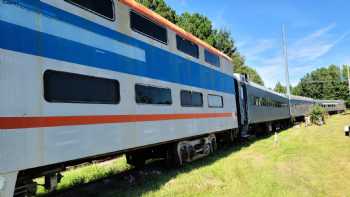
x: 84, y: 79
x: 332, y: 106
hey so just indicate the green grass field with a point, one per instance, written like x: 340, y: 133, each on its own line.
x: 312, y: 161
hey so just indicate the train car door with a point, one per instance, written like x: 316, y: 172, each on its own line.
x: 241, y: 102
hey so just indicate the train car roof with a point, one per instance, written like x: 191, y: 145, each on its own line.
x: 330, y: 101
x: 163, y: 21
x: 238, y: 77
x: 301, y: 98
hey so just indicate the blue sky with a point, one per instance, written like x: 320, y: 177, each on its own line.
x: 318, y: 32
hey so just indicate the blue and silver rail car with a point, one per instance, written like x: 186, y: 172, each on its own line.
x: 85, y: 79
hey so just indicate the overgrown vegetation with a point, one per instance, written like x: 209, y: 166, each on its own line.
x: 312, y: 161
x: 200, y: 26
x: 318, y: 115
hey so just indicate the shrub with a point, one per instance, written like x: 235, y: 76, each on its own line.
x: 318, y: 115
x: 347, y: 103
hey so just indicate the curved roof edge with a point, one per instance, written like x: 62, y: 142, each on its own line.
x: 161, y: 20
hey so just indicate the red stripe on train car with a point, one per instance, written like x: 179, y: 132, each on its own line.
x: 56, y: 121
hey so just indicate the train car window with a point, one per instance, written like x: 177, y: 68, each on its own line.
x: 191, y: 99
x: 187, y: 46
x: 148, y: 28
x: 63, y: 87
x: 197, y: 99
x: 152, y: 95
x: 212, y: 58
x: 215, y: 101
x: 186, y: 98
x: 104, y: 8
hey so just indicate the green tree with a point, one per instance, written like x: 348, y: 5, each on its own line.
x: 280, y: 88
x: 161, y: 8
x: 252, y: 74
x: 324, y: 83
x: 197, y: 24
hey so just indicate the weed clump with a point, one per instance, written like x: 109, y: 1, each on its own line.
x: 318, y: 115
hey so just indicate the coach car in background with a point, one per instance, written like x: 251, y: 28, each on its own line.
x: 300, y: 106
x: 332, y: 106
x: 260, y: 108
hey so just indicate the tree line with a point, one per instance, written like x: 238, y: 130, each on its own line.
x: 202, y: 27
x: 324, y: 83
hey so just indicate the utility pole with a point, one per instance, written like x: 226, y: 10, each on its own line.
x: 285, y: 53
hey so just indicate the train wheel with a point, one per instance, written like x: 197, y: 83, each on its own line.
x: 174, y: 156
x: 213, y: 144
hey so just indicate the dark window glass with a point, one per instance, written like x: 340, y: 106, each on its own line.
x: 212, y: 58
x: 101, y: 7
x: 191, y: 99
x: 186, y: 98
x: 187, y: 47
x: 197, y: 99
x: 65, y: 87
x: 148, y: 28
x: 153, y: 95
x: 215, y: 101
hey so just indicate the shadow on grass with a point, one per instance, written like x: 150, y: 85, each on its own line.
x: 137, y: 182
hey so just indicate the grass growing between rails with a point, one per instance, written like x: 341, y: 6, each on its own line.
x: 312, y: 161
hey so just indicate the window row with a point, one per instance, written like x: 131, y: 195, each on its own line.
x: 63, y: 87
x: 146, y: 27
x: 267, y: 102
x: 328, y: 105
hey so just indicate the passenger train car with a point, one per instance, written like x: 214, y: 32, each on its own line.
x: 260, y: 108
x: 300, y: 106
x: 332, y: 106
x: 85, y: 79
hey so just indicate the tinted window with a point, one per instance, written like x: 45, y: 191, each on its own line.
x: 65, y: 87
x: 187, y: 47
x: 215, y: 101
x: 101, y: 7
x: 186, y: 98
x: 148, y: 28
x: 153, y: 95
x: 197, y: 99
x: 191, y: 99
x: 212, y: 58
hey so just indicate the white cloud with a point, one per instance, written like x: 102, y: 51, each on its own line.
x: 257, y: 48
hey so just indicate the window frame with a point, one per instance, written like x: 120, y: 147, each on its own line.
x: 206, y: 51
x: 144, y: 34
x: 177, y: 46
x: 222, y: 101
x: 44, y: 77
x: 153, y: 86
x: 191, y: 93
x: 96, y: 13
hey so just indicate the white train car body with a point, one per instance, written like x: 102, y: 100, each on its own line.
x: 45, y: 43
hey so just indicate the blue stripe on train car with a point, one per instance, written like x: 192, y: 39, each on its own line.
x: 160, y: 65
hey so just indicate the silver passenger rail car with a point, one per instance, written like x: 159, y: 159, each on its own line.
x: 332, y: 106
x: 261, y: 109
x: 301, y: 106
x: 82, y: 80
